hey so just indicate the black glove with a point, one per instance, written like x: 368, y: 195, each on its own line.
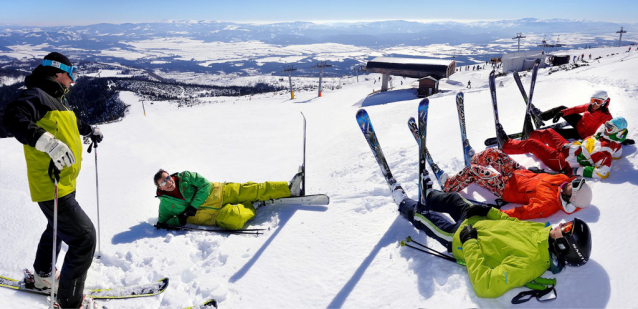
x: 478, y: 210
x: 628, y: 141
x: 536, y: 170
x: 160, y: 225
x: 557, y: 116
x: 96, y: 135
x: 190, y: 211
x: 467, y: 233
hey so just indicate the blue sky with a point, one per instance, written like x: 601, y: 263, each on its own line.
x: 74, y: 12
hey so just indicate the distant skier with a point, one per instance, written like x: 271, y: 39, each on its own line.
x: 591, y: 157
x: 469, y: 85
x: 541, y: 194
x: 187, y: 197
x: 501, y: 253
x: 594, y: 114
x: 43, y: 121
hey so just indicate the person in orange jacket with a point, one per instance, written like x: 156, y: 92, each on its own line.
x: 541, y: 194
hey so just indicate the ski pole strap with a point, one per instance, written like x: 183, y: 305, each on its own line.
x: 540, y: 295
x: 54, y: 172
x: 92, y: 145
x: 543, y: 289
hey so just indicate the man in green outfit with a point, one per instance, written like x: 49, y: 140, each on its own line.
x: 188, y: 197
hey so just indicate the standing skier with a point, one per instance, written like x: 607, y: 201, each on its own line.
x: 591, y: 157
x: 541, y: 194
x: 43, y: 121
x: 594, y: 114
x: 187, y: 197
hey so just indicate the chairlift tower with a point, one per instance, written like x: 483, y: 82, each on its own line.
x: 320, y: 66
x: 621, y: 32
x: 519, y: 36
x: 289, y: 69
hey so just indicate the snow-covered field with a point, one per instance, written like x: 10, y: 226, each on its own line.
x: 346, y: 254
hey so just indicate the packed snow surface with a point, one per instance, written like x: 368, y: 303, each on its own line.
x: 346, y: 254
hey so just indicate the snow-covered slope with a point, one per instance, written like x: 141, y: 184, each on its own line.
x: 346, y: 254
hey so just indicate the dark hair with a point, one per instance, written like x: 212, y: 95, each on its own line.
x: 158, y: 176
x: 603, y: 108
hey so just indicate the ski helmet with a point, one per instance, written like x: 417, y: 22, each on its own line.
x: 581, y: 196
x: 574, y: 247
x: 615, y: 125
x: 600, y: 95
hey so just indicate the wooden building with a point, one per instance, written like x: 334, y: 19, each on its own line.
x: 434, y: 69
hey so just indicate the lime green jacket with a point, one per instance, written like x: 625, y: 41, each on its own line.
x: 42, y: 108
x: 507, y: 254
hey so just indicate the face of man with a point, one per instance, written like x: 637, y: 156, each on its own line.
x: 166, y: 183
x: 64, y: 79
x: 557, y: 232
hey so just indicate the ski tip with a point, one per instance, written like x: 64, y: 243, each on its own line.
x: 164, y: 285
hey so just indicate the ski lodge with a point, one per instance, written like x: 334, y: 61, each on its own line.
x: 428, y: 71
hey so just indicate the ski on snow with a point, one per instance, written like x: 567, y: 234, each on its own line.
x: 497, y: 123
x: 134, y: 291
x: 435, y: 168
x: 398, y: 194
x: 423, y: 129
x: 211, y: 303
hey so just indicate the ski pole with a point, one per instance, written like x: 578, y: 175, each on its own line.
x: 97, y: 194
x: 434, y: 252
x: 54, y: 174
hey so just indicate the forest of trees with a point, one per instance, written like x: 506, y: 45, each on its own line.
x: 96, y: 100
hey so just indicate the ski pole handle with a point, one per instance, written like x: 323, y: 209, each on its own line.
x: 54, y: 173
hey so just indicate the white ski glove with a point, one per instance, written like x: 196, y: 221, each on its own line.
x: 56, y: 149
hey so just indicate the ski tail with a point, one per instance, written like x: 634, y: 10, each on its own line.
x: 423, y: 120
x: 415, y: 133
x: 468, y: 152
x: 531, y: 109
x: 303, y: 165
x: 365, y: 124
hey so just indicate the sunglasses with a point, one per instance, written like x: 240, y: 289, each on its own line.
x: 597, y: 102
x: 163, y: 183
x: 72, y: 71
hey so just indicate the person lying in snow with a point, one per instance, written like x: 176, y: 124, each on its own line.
x: 188, y: 197
x: 594, y: 114
x: 591, y: 157
x: 501, y: 253
x: 541, y: 194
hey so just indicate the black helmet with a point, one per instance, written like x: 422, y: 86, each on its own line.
x: 575, y: 245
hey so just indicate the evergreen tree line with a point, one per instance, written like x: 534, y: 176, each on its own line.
x: 96, y: 100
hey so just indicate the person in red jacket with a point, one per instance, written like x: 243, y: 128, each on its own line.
x: 594, y: 114
x: 541, y: 194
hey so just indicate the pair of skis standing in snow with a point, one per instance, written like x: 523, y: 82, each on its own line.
x: 491, y: 273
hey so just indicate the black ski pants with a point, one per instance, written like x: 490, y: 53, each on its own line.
x: 430, y: 219
x: 573, y: 119
x: 77, y: 231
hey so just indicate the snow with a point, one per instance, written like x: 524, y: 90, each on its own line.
x: 346, y: 254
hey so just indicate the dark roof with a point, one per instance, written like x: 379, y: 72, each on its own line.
x: 411, y: 67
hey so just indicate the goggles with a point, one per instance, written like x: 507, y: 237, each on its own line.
x: 576, y: 185
x: 71, y: 70
x: 163, y: 183
x: 610, y: 127
x: 597, y: 102
x: 568, y: 228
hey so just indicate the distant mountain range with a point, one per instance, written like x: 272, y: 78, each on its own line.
x: 90, y: 42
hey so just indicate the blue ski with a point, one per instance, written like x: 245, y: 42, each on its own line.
x: 435, y: 168
x: 423, y: 128
x: 468, y: 152
x: 368, y: 132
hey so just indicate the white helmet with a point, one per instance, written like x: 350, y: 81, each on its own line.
x: 600, y: 95
x: 581, y: 196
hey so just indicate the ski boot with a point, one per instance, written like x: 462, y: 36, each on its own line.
x: 501, y: 136
x: 40, y: 283
x: 295, y: 183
